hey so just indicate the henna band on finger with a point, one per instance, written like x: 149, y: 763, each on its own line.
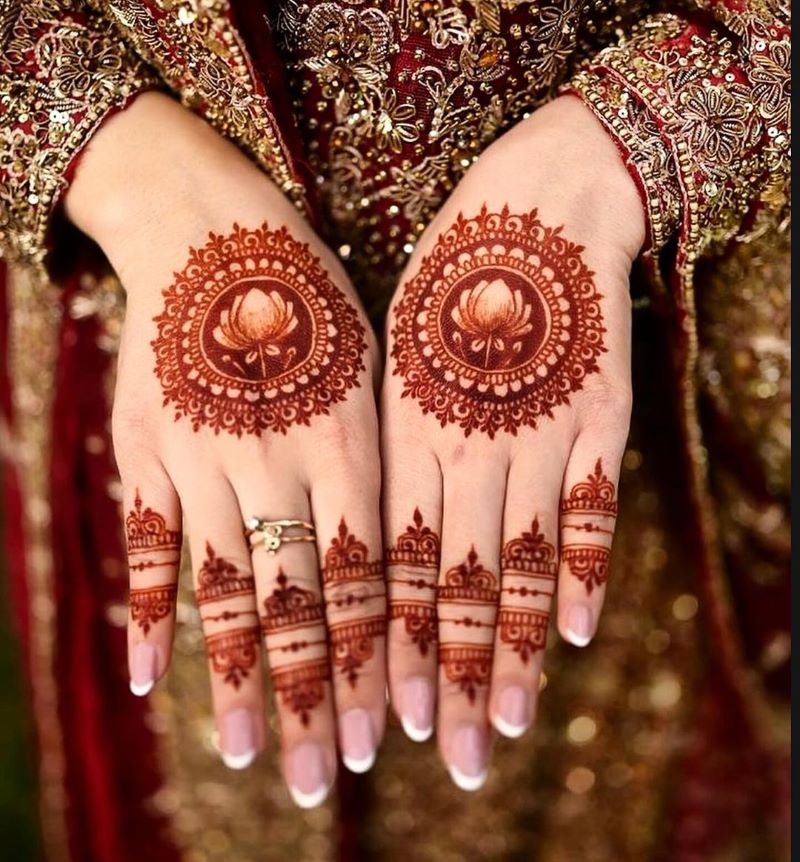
x: 272, y: 534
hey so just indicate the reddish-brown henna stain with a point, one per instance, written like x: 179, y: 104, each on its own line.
x: 255, y: 336
x: 350, y: 577
x: 591, y: 508
x: 294, y: 612
x: 151, y: 604
x: 413, y: 561
x: 233, y: 653
x: 468, y: 665
x: 150, y: 545
x: 220, y: 579
x: 499, y: 326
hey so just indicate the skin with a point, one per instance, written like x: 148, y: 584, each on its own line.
x: 480, y: 491
x: 474, y: 492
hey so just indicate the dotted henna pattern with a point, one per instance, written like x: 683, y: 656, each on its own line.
x: 499, y: 326
x: 255, y: 336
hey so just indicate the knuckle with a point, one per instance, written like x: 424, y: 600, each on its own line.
x: 610, y: 403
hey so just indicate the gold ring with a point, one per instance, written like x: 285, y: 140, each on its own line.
x: 273, y: 534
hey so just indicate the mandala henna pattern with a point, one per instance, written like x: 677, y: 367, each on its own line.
x: 468, y: 585
x: 293, y: 625
x: 233, y: 653
x: 150, y: 545
x: 352, y: 580
x: 412, y: 566
x: 588, y: 514
x: 529, y: 565
x: 499, y: 326
x: 255, y: 336
x: 219, y: 579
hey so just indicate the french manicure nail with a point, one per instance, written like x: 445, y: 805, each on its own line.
x: 513, y: 711
x: 417, y: 708
x: 238, y: 739
x: 307, y: 775
x: 469, y: 756
x: 579, y: 625
x: 144, y: 664
x: 357, y: 740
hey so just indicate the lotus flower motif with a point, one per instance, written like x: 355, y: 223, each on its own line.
x: 493, y: 316
x: 257, y: 322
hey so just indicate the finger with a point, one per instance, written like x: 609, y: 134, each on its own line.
x: 345, y: 503
x: 225, y: 595
x: 153, y: 540
x: 588, y: 514
x: 292, y: 614
x: 412, y: 513
x: 467, y: 599
x: 528, y: 569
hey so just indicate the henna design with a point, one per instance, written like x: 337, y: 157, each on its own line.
x: 469, y: 582
x: 499, y: 326
x: 255, y: 336
x: 416, y: 552
x: 592, y: 499
x: 525, y: 630
x: 351, y: 579
x: 146, y: 531
x: 219, y: 579
x: 233, y: 653
x: 530, y: 555
x: 353, y: 644
x: 225, y: 616
x: 302, y: 686
x: 469, y: 666
x: 290, y: 609
x: 151, y: 604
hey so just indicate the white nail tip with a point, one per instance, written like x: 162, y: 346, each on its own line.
x: 238, y: 761
x: 359, y: 765
x: 308, y: 800
x: 140, y: 689
x: 576, y: 639
x: 467, y: 782
x: 513, y: 731
x: 417, y: 734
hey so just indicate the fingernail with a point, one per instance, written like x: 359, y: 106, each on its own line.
x: 469, y: 755
x: 579, y: 625
x: 238, y: 739
x: 307, y: 775
x: 144, y: 663
x: 513, y: 711
x: 417, y: 708
x: 357, y: 740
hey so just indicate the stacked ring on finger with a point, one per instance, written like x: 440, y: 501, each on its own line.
x: 272, y: 534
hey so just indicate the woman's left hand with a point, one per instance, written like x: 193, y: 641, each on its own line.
x: 505, y: 412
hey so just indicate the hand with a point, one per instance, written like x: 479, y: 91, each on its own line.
x: 505, y: 411
x: 245, y: 388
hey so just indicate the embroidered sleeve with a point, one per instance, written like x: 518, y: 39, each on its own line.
x: 63, y: 70
x: 700, y: 111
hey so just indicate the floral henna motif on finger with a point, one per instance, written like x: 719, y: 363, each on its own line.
x: 499, y: 326
x: 233, y: 653
x: 470, y: 584
x: 255, y: 336
x: 152, y: 604
x: 293, y: 623
x: 350, y: 580
x: 588, y: 514
x: 412, y: 567
x: 151, y: 545
x: 220, y: 579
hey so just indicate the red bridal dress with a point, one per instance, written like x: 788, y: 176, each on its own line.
x: 668, y: 739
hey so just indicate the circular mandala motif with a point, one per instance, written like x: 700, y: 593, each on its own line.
x: 255, y: 336
x: 501, y: 323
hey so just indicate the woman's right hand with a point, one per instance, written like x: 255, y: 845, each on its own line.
x: 245, y: 387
